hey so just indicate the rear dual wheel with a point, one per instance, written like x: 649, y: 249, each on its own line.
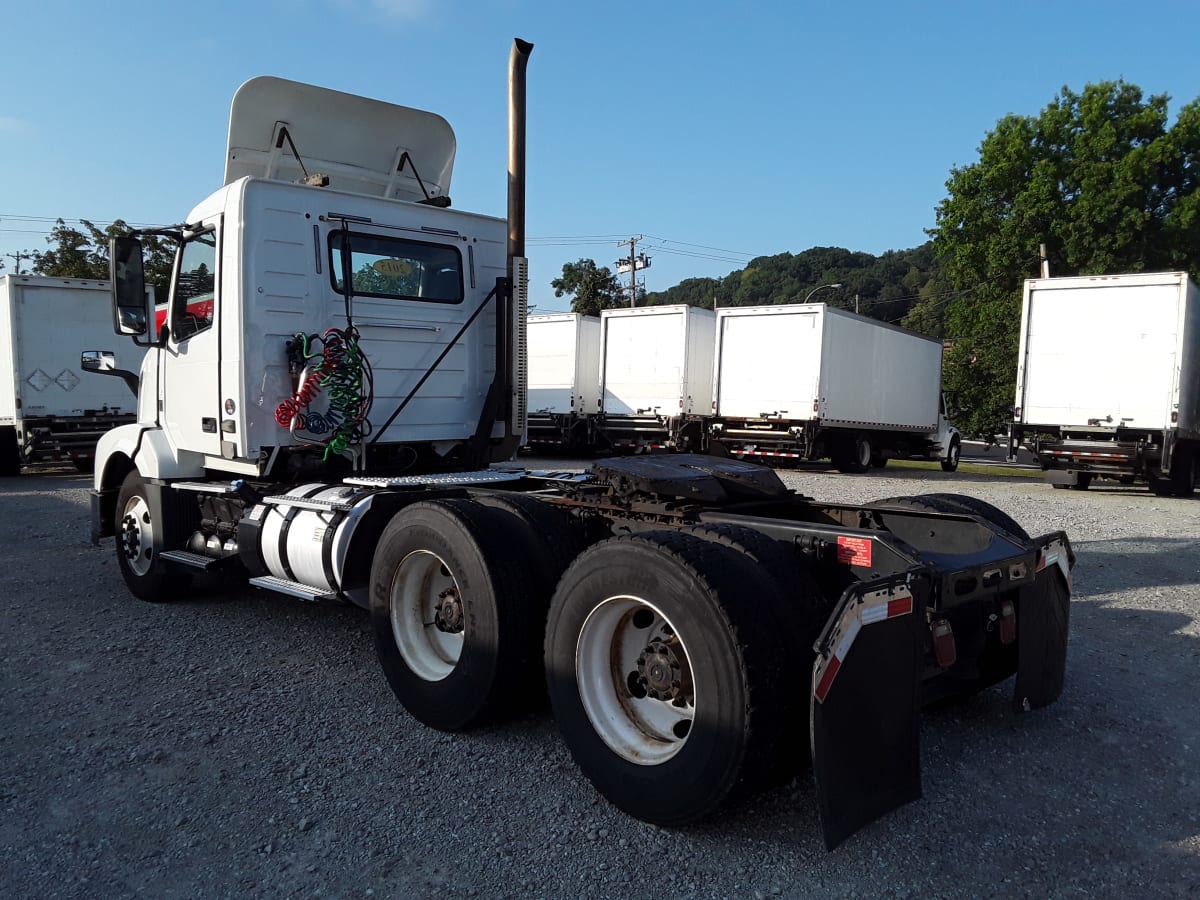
x: 459, y: 592
x: 665, y: 674
x: 853, y: 454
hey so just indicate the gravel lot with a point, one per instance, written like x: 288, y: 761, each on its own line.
x: 243, y: 743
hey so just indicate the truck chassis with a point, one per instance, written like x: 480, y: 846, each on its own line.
x: 702, y: 631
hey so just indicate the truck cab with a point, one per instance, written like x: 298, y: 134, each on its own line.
x: 263, y: 364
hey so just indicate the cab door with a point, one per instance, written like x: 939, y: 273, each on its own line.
x: 191, y: 411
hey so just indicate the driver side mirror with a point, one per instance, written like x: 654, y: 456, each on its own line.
x: 132, y: 307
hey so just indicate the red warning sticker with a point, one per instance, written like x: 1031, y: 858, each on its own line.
x: 855, y: 551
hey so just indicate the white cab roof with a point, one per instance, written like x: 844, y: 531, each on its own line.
x: 357, y: 142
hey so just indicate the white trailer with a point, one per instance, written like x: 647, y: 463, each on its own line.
x: 669, y: 605
x: 564, y: 380
x: 655, y: 376
x: 1108, y: 379
x: 56, y: 335
x: 807, y: 381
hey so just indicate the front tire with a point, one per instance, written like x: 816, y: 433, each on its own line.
x: 665, y: 674
x: 950, y: 463
x: 451, y: 616
x: 139, y: 544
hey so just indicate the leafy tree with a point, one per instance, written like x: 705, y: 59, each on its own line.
x: 83, y: 253
x: 1097, y: 176
x: 592, y: 288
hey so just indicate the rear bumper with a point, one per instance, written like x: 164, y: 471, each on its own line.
x: 873, y: 667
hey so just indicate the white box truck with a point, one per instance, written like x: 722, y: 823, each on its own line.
x: 808, y: 381
x: 700, y: 629
x: 655, y: 376
x: 1108, y: 380
x: 564, y: 380
x: 51, y: 406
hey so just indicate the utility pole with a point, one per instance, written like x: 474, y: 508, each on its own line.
x: 631, y: 264
x: 18, y: 256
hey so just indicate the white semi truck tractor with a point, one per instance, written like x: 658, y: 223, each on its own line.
x: 339, y: 368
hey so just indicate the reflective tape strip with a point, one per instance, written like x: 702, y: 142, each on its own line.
x: 765, y: 453
x: 877, y: 606
x: 1055, y: 553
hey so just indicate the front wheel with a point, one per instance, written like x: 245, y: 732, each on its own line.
x: 664, y: 667
x: 950, y: 463
x: 139, y: 545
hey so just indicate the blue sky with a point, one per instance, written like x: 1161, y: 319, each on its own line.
x: 720, y: 131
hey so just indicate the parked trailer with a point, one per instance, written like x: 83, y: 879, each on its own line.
x: 564, y: 381
x: 52, y: 406
x: 1108, y: 380
x: 670, y: 604
x: 655, y: 377
x: 808, y: 381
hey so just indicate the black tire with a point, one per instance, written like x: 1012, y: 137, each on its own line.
x: 687, y: 606
x: 555, y: 538
x: 950, y: 463
x: 10, y: 453
x: 878, y: 460
x: 475, y: 555
x: 1183, y: 473
x: 1083, y: 481
x: 854, y: 455
x: 139, y: 543
x: 985, y: 511
x: 801, y: 610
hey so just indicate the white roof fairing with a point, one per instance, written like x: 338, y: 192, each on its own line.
x: 356, y: 141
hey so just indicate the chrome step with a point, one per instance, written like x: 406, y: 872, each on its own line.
x: 187, y: 558
x: 307, y: 503
x: 205, y: 487
x: 292, y: 588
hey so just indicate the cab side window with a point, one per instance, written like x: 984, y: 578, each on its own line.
x: 195, y: 287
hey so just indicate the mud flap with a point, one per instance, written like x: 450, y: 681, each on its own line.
x: 865, y: 704
x: 1043, y: 616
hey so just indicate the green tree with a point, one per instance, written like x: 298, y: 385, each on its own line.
x: 1098, y: 177
x: 592, y: 288
x: 83, y: 253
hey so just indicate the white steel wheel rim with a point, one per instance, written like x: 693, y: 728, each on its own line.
x: 137, y: 535
x: 421, y: 579
x: 641, y: 730
x: 863, y: 449
x: 955, y: 450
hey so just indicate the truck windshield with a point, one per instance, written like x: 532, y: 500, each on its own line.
x: 383, y: 266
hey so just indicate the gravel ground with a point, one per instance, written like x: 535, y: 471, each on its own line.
x: 242, y: 743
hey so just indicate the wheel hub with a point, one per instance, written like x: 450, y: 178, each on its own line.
x: 131, y: 537
x: 448, y: 614
x: 660, y: 672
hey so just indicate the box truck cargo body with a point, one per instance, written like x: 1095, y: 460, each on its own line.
x: 656, y: 375
x: 1108, y: 379
x: 50, y: 408
x: 810, y: 381
x: 564, y: 379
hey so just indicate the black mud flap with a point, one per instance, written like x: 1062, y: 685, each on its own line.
x: 865, y: 703
x: 1043, y: 617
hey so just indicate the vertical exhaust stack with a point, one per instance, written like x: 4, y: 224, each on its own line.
x: 517, y: 62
